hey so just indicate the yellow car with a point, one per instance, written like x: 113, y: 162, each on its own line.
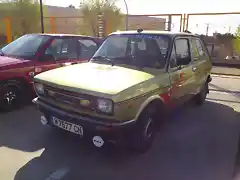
x: 126, y: 89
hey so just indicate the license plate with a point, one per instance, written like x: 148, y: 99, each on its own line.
x: 74, y: 128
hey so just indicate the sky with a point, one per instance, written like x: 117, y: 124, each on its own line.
x: 197, y: 24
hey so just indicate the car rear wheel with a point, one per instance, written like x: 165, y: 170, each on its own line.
x: 144, y: 133
x: 10, y: 98
x: 201, y: 97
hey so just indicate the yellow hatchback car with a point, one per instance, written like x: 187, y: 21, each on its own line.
x: 127, y: 88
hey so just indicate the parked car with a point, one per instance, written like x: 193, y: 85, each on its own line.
x: 35, y: 53
x: 127, y: 88
x: 232, y: 58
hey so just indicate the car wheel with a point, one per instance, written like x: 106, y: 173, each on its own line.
x: 144, y: 133
x: 201, y: 97
x: 10, y: 98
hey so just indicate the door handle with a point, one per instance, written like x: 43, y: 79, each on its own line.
x: 194, y: 69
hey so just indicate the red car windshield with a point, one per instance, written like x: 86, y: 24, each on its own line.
x: 24, y: 47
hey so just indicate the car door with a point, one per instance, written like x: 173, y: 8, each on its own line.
x: 200, y: 61
x: 44, y: 61
x: 181, y: 77
x: 87, y: 48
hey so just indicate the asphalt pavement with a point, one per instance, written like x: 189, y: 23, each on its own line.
x: 200, y: 143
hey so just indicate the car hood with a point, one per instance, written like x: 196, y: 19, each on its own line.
x: 94, y: 77
x: 5, y: 61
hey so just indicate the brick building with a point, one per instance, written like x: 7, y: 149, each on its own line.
x: 72, y: 24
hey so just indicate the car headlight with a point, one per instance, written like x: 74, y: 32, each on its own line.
x: 105, y: 105
x: 39, y: 88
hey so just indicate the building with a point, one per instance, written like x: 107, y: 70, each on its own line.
x: 72, y: 24
x: 66, y: 19
x: 146, y: 23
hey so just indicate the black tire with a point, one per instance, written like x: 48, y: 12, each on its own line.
x: 10, y: 98
x: 144, y: 133
x: 201, y: 97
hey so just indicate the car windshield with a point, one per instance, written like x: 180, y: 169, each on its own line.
x: 144, y: 50
x: 24, y: 47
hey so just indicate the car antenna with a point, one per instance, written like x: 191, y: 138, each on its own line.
x: 186, y: 31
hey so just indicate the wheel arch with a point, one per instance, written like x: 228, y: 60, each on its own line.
x: 18, y: 82
x: 155, y: 100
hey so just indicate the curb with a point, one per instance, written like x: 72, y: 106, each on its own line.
x: 225, y: 75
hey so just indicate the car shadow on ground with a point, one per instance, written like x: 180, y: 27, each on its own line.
x: 198, y: 143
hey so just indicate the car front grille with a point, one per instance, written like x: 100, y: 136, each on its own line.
x: 68, y: 97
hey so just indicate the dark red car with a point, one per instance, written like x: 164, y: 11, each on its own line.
x: 35, y: 53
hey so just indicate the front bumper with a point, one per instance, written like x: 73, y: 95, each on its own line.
x: 110, y: 130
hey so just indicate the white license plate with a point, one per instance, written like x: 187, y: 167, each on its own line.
x: 74, y: 128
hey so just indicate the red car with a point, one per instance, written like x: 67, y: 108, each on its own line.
x: 35, y: 53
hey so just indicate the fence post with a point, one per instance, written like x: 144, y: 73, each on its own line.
x: 8, y: 30
x: 101, y: 25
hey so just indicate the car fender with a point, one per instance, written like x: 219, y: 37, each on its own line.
x: 147, y: 102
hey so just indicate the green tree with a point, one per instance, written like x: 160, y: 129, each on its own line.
x: 90, y: 10
x: 236, y: 41
x: 24, y: 14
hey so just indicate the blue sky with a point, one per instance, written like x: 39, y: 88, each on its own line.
x: 197, y: 24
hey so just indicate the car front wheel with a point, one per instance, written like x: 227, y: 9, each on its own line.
x: 9, y: 98
x: 144, y: 133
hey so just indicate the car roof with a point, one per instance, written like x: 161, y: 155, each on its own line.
x: 169, y: 33
x: 66, y: 35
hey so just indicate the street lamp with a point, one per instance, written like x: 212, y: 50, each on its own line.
x: 41, y: 16
x: 127, y: 14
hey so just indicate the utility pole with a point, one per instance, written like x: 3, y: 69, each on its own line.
x: 126, y: 6
x: 207, y: 28
x: 41, y: 16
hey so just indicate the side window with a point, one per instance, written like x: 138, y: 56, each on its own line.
x: 87, y: 48
x: 200, y: 48
x: 62, y: 49
x: 182, y: 51
x: 197, y: 49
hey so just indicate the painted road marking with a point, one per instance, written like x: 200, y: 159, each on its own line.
x: 225, y: 76
x: 58, y: 174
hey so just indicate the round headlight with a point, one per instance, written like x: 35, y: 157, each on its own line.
x: 105, y: 105
x: 39, y: 88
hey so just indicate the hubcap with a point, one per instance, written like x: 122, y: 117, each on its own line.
x: 9, y: 98
x: 149, y: 128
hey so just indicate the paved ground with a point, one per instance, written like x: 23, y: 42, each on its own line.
x: 200, y: 143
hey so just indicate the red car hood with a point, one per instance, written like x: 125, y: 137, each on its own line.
x: 4, y: 61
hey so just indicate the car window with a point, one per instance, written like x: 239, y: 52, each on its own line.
x: 197, y: 49
x: 182, y: 49
x: 25, y: 47
x: 87, y: 48
x: 134, y: 49
x: 62, y: 49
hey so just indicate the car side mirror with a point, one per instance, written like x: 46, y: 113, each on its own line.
x: 183, y: 61
x: 46, y: 58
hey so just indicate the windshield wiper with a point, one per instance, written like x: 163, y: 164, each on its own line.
x: 105, y: 58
